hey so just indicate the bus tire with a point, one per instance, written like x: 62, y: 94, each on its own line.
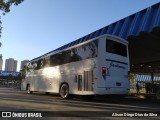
x: 29, y: 89
x: 64, y: 91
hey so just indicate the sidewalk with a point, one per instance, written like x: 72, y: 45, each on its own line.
x: 150, y: 97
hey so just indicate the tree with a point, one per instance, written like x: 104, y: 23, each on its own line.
x: 5, y: 8
x: 5, y: 4
x: 132, y: 78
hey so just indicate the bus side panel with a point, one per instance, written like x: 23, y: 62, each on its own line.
x: 29, y: 80
x: 101, y: 62
x: 50, y: 78
x: 23, y: 84
x: 117, y: 78
x: 72, y: 73
x: 67, y: 75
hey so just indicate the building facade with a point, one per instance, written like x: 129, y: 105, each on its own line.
x: 23, y: 63
x: 1, y: 62
x: 11, y: 65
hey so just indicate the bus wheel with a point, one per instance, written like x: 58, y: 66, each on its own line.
x: 29, y: 90
x: 64, y: 91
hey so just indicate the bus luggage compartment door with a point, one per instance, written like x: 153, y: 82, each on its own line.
x: 88, y: 80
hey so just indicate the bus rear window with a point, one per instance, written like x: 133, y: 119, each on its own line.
x: 116, y: 48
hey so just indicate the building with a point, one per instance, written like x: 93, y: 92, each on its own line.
x: 1, y: 62
x: 23, y: 63
x: 11, y: 65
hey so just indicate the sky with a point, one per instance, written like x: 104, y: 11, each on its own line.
x: 36, y: 27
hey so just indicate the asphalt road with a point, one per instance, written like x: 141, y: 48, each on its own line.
x: 52, y: 106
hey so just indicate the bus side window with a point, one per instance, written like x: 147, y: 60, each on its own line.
x: 46, y: 62
x: 38, y: 64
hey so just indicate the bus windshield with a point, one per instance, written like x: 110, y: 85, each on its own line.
x: 116, y: 48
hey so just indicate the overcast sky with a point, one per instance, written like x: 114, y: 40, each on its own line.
x: 36, y: 27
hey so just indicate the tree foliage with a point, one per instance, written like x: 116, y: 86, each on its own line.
x: 132, y: 77
x: 5, y: 4
x: 5, y: 8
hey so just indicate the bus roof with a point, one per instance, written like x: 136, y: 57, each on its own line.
x: 74, y: 43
